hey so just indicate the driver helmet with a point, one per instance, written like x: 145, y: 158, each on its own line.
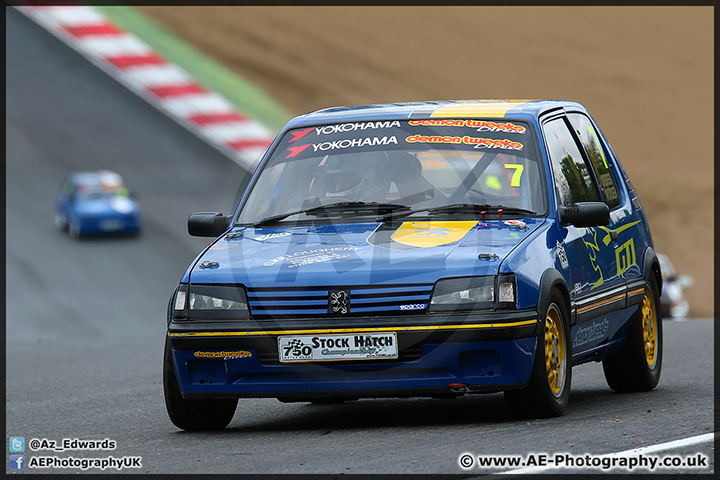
x: 364, y: 176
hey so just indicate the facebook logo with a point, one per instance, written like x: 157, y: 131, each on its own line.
x: 17, y: 444
x: 17, y: 462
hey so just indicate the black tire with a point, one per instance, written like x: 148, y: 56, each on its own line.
x: 60, y: 222
x: 193, y: 415
x: 636, y: 367
x: 548, y: 391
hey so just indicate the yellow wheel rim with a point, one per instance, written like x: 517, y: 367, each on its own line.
x: 649, y: 327
x: 555, y: 355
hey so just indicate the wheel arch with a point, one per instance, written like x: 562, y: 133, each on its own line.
x: 651, y: 266
x: 552, y: 279
x: 170, y: 305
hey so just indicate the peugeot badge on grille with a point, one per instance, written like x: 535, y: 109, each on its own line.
x: 339, y: 302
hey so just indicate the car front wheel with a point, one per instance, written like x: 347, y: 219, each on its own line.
x: 193, y: 414
x: 60, y: 222
x: 548, y: 391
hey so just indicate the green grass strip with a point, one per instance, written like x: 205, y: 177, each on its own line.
x: 248, y: 98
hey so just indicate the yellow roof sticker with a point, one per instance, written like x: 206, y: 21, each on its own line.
x: 497, y: 108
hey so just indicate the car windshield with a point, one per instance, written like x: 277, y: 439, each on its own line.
x: 403, y: 164
x: 91, y: 192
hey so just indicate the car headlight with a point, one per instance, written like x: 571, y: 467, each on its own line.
x: 203, y: 302
x: 506, y: 288
x: 473, y: 293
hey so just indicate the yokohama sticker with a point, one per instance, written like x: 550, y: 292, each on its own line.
x: 352, y: 127
x: 342, y: 128
x: 343, y: 144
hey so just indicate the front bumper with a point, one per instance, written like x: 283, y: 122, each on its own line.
x: 110, y: 225
x: 483, y: 352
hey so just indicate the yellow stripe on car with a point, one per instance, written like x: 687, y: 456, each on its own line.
x: 353, y: 330
x: 600, y: 303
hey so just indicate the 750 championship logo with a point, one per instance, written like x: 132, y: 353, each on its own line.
x: 337, y: 347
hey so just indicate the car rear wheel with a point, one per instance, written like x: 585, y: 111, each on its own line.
x: 193, y: 414
x: 636, y: 367
x: 548, y: 391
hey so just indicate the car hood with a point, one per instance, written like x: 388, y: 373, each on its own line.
x: 114, y: 205
x: 359, y: 253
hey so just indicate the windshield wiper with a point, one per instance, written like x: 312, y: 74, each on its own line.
x: 483, y: 207
x: 458, y: 208
x: 325, y: 209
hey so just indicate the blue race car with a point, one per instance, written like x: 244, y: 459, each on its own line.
x: 420, y: 249
x: 96, y: 203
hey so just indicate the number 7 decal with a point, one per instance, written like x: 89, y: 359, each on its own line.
x: 515, y: 181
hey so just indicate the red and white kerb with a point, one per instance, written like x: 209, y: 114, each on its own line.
x: 165, y: 85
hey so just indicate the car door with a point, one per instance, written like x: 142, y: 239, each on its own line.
x: 625, y: 227
x: 588, y: 266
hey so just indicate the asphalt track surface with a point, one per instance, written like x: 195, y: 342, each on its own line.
x: 86, y: 319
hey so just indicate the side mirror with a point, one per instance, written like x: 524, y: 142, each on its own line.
x: 585, y: 214
x: 208, y: 224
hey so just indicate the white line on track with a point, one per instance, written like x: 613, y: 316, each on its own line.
x: 684, y: 442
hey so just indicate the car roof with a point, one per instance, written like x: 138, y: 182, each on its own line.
x: 522, y: 109
x: 107, y: 178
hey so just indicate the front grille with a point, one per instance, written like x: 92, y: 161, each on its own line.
x: 315, y: 302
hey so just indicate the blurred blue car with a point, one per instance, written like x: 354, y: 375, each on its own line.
x: 96, y: 203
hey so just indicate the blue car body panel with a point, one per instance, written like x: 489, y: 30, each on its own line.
x: 486, y: 365
x: 344, y: 254
x: 288, y: 273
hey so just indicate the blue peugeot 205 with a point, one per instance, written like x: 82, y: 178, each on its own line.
x: 96, y: 203
x: 419, y: 249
